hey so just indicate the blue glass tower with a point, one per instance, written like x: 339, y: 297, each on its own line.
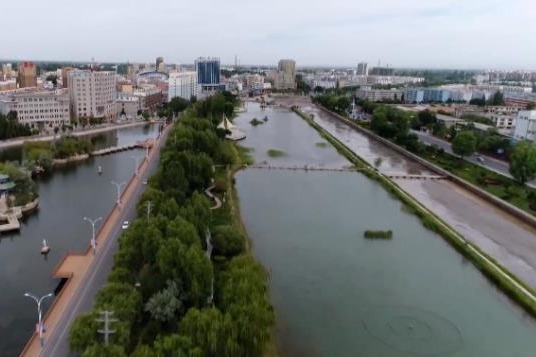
x: 208, y: 72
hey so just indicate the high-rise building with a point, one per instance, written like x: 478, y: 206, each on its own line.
x: 286, y: 74
x: 27, y: 75
x: 92, y: 94
x: 381, y: 71
x: 183, y: 84
x: 362, y: 69
x: 159, y: 61
x: 208, y: 72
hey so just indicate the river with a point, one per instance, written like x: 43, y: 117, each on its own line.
x: 338, y: 294
x: 66, y: 197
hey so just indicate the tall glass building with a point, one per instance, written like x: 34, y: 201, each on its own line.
x: 208, y: 72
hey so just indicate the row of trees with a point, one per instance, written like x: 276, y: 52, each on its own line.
x: 11, y: 128
x: 334, y: 102
x: 169, y: 297
x: 393, y: 124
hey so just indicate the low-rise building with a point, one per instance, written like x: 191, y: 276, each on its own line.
x: 525, y: 126
x: 128, y: 106
x: 502, y: 121
x: 37, y: 108
x: 379, y: 95
x: 414, y: 95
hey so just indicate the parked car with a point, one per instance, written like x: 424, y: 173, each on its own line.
x: 125, y: 225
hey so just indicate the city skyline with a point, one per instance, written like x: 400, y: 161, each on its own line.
x: 415, y: 34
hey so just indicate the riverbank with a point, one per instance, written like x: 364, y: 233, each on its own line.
x: 77, y: 268
x: 510, y: 284
x: 20, y: 141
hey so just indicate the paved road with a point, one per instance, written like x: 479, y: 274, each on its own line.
x: 489, y: 163
x: 57, y: 344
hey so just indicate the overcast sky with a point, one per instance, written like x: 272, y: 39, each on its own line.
x: 401, y: 33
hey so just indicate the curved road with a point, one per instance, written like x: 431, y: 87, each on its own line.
x: 57, y: 343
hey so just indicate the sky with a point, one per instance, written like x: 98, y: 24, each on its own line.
x: 473, y: 34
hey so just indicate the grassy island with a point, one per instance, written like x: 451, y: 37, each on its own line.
x: 256, y: 122
x: 378, y: 234
x: 276, y: 153
x: 43, y: 153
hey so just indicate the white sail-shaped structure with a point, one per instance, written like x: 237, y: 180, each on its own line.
x: 226, y: 124
x: 234, y: 134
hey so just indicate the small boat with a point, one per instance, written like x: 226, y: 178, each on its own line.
x: 99, y: 170
x: 45, y: 249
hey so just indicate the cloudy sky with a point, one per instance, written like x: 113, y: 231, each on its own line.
x: 402, y: 33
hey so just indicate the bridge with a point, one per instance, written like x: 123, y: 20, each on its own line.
x: 302, y: 168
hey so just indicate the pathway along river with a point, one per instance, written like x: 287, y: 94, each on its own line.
x: 337, y: 294
x: 66, y: 197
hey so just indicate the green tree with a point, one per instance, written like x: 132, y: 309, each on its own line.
x: 98, y: 350
x: 83, y: 332
x: 497, y: 99
x: 464, y: 144
x: 166, y: 304
x: 523, y: 161
x: 227, y: 241
x: 177, y: 346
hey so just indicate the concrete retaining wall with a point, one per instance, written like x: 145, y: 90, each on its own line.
x: 511, y: 209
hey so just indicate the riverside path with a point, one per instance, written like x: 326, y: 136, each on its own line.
x: 87, y: 273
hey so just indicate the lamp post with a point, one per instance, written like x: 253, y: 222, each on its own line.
x: 137, y: 159
x: 38, y: 301
x: 93, y: 241
x: 118, y: 186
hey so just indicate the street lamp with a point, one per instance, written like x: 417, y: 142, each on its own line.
x: 93, y: 241
x: 137, y: 159
x: 38, y: 301
x: 118, y: 186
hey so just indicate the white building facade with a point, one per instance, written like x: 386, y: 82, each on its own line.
x: 525, y: 126
x: 93, y: 94
x: 183, y: 85
x: 38, y: 108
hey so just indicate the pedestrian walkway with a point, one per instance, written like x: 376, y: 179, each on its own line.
x: 214, y: 197
x: 75, y: 267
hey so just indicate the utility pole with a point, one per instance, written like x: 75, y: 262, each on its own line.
x: 106, y: 331
x: 148, y: 209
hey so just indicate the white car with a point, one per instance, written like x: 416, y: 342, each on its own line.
x: 125, y: 225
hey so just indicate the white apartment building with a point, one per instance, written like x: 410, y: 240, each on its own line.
x: 37, y: 108
x: 255, y: 81
x: 525, y: 126
x: 183, y: 85
x: 93, y: 94
x: 378, y: 95
x: 503, y: 121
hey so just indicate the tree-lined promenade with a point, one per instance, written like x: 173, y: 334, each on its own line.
x: 168, y: 296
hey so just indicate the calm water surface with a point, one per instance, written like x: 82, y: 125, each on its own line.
x: 337, y: 294
x: 66, y: 197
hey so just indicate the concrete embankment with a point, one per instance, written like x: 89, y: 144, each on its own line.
x: 489, y: 265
